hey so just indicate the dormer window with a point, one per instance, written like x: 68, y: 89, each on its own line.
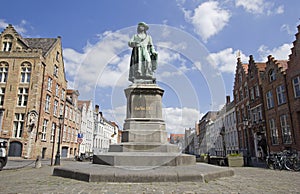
x: 7, y: 43
x: 272, y: 75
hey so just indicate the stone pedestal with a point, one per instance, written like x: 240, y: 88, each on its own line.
x: 144, y: 137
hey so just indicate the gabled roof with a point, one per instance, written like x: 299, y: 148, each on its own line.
x: 41, y: 43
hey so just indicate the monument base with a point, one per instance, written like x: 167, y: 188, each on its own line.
x: 144, y: 136
x: 143, y: 159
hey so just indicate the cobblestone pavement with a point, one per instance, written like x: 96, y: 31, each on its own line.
x: 245, y: 180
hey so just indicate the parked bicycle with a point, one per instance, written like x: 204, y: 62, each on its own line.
x: 284, y: 160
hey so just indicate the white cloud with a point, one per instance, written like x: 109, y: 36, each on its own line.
x: 102, y: 64
x: 259, y: 7
x: 177, y: 119
x: 19, y: 27
x: 226, y: 60
x: 280, y: 53
x: 208, y: 19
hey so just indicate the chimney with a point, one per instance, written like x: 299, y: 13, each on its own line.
x: 227, y: 99
x: 96, y: 108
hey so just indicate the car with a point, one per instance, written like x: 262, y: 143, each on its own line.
x: 3, y: 154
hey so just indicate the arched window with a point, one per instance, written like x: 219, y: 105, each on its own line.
x: 272, y: 75
x: 25, y: 72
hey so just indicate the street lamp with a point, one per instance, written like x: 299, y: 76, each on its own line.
x: 57, y: 157
x: 246, y: 123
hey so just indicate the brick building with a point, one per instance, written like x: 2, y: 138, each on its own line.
x: 293, y: 86
x: 277, y: 110
x: 241, y: 98
x: 256, y: 124
x: 32, y: 93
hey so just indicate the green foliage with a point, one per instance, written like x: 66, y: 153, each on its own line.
x: 234, y: 155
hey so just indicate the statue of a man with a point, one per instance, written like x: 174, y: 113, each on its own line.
x: 144, y: 57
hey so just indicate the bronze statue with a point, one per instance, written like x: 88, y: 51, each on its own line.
x: 143, y: 61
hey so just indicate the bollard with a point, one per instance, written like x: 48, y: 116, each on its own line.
x: 38, y: 162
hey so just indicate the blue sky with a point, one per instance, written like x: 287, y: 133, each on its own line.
x: 197, y: 42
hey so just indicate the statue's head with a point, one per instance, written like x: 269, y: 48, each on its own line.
x: 143, y: 25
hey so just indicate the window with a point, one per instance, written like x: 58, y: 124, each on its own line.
x: 280, y: 94
x: 57, y: 56
x: 296, y: 85
x: 259, y: 113
x: 270, y: 100
x: 57, y: 90
x: 7, y: 43
x: 52, y: 132
x: 49, y: 86
x: 3, y: 72
x: 241, y: 95
x: 274, y: 132
x: 272, y: 75
x: 252, y: 93
x: 7, y: 46
x: 61, y: 109
x: 55, y: 71
x: 25, y: 73
x: 64, y: 133
x: 44, y: 130
x: 2, y: 92
x: 240, y: 78
x: 66, y: 111
x: 246, y: 91
x: 63, y: 94
x: 55, y: 107
x: 22, y: 96
x: 48, y: 103
x: 257, y: 91
x: 18, y: 125
x: 254, y: 115
x: 286, y: 130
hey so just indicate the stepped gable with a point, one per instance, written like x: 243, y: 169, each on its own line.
x: 45, y: 44
x: 11, y: 30
x: 282, y: 64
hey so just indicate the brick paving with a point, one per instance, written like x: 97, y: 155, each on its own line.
x: 245, y: 180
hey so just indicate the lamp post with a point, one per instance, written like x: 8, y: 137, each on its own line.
x: 246, y: 123
x: 57, y: 157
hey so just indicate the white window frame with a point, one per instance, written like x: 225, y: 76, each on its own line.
x: 270, y: 99
x: 49, y: 84
x: 3, y: 73
x: 47, y: 103
x: 22, y: 96
x: 274, y: 132
x: 55, y: 107
x: 25, y: 73
x: 296, y: 86
x: 280, y: 91
x: 44, y: 130
x: 2, y: 95
x: 272, y: 75
x: 18, y: 125
x: 57, y: 90
x: 285, y: 130
x: 53, y: 127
